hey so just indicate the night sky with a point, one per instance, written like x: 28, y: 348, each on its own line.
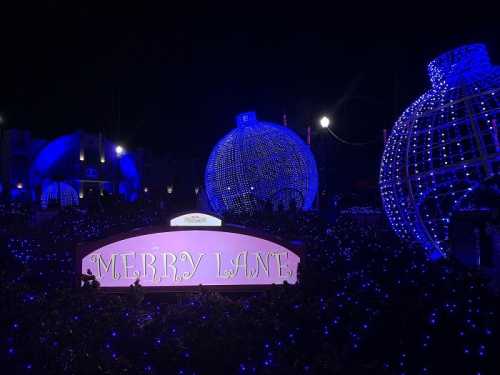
x: 173, y: 83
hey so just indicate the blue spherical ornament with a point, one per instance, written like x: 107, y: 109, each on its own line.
x: 443, y: 148
x: 260, y: 163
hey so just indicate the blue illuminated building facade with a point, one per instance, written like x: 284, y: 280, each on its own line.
x: 257, y: 164
x: 443, y: 148
x: 73, y: 165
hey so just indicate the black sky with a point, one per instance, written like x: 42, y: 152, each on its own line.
x: 180, y: 79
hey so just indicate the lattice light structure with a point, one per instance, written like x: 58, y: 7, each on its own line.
x: 260, y: 163
x: 60, y: 192
x: 443, y: 148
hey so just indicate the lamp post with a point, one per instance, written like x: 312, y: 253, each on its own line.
x: 324, y: 123
x: 119, y: 151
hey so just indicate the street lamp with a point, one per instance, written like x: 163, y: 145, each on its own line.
x: 119, y: 150
x: 324, y: 122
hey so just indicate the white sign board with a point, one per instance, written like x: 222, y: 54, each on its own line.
x: 195, y: 219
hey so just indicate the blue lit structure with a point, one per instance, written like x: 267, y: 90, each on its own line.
x: 443, y: 148
x: 64, y: 194
x: 260, y: 162
x: 56, y: 157
x: 85, y: 162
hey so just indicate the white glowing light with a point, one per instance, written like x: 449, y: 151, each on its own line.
x: 324, y: 122
x: 119, y: 150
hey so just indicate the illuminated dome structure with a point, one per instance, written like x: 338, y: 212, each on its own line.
x: 85, y: 162
x: 443, y: 148
x: 260, y: 163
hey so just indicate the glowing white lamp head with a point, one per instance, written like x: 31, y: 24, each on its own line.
x: 324, y: 122
x: 119, y: 150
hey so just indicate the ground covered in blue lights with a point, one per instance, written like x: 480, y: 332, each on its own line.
x: 366, y: 304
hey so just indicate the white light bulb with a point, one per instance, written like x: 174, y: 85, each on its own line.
x: 324, y: 122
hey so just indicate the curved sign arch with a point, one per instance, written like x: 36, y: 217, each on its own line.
x: 188, y: 257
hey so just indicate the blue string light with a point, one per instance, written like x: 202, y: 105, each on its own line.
x: 260, y: 162
x: 443, y: 148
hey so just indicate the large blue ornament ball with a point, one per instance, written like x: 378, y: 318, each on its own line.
x: 257, y: 164
x: 443, y: 149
